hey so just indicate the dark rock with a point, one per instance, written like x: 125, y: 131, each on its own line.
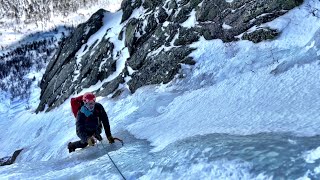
x: 137, y: 33
x: 107, y: 69
x: 10, y: 160
x: 240, y: 15
x: 185, y: 10
x: 117, y: 93
x: 162, y: 15
x: 211, y: 10
x: 188, y: 60
x: 211, y: 30
x: 150, y: 4
x: 160, y: 68
x: 171, y: 30
x: 182, y: 15
x: 158, y: 39
x: 151, y: 25
x: 183, y: 2
x: 111, y: 86
x: 127, y: 7
x: 260, y: 35
x: 195, y: 3
x: 130, y: 34
x: 267, y: 17
x: 172, y: 5
x: 120, y: 37
x: 127, y: 10
x: 137, y: 3
x: 187, y: 36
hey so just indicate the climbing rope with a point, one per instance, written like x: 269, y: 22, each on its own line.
x: 112, y: 160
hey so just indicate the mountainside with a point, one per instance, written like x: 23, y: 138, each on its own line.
x: 30, y: 33
x: 146, y: 42
x: 20, y: 62
x: 234, y: 110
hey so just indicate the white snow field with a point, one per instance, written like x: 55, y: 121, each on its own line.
x: 244, y: 111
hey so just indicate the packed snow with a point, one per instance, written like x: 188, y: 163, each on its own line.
x: 240, y: 89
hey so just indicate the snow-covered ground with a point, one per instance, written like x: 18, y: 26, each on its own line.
x: 244, y: 111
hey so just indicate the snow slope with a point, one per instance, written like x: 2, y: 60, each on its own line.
x: 236, y: 91
x: 237, y: 88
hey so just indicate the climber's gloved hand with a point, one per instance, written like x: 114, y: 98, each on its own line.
x: 111, y: 139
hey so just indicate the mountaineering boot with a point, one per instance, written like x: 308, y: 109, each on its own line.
x: 98, y: 137
x: 71, y: 147
x: 91, y: 141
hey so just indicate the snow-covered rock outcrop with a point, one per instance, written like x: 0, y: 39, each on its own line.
x: 147, y: 41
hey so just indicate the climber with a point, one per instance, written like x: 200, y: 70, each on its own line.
x: 90, y: 118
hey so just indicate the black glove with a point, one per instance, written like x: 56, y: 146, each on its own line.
x: 111, y: 139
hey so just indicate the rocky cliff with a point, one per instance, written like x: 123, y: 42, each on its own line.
x: 147, y: 41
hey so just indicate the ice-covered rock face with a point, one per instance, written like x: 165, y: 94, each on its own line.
x: 147, y: 41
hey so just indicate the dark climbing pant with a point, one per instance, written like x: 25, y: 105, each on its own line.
x: 79, y: 144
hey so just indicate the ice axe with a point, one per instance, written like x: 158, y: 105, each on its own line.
x: 115, y: 138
